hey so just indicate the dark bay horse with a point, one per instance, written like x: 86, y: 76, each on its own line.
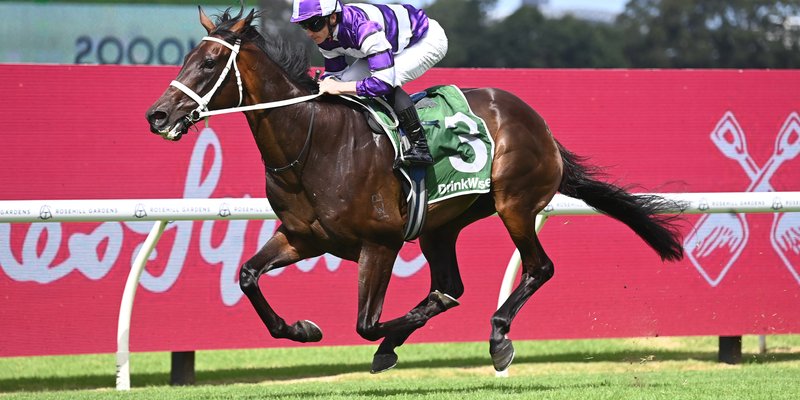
x: 330, y: 181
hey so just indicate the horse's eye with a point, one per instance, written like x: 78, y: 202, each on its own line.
x: 209, y: 63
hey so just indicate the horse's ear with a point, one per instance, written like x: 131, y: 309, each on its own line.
x: 244, y: 22
x: 205, y: 21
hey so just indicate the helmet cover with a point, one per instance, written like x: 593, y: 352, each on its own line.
x: 305, y: 9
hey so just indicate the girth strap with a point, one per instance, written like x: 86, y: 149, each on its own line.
x: 417, y: 203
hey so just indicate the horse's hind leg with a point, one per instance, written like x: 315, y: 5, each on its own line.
x: 537, y: 269
x: 278, y: 252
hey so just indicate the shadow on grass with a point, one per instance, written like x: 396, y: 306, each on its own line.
x: 253, y: 375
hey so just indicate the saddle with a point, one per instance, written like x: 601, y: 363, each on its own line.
x: 421, y: 101
x: 459, y: 143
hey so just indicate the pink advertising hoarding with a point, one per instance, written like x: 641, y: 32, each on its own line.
x: 79, y: 133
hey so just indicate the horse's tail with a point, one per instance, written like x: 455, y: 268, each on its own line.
x: 645, y: 214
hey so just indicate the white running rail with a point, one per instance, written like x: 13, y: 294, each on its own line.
x: 158, y: 210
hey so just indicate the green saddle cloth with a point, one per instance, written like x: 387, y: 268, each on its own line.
x: 459, y: 142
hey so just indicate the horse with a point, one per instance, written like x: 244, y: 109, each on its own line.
x: 331, y: 182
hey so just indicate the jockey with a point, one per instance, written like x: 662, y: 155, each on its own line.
x: 392, y: 45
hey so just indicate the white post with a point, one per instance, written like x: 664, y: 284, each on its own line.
x: 126, y: 306
x: 511, y: 275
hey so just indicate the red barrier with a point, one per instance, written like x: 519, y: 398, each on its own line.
x: 79, y: 132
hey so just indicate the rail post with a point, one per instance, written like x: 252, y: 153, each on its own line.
x: 126, y: 306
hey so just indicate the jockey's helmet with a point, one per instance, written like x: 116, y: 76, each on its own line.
x: 303, y: 10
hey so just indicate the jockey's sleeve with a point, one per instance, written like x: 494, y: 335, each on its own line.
x: 379, y: 56
x: 381, y: 66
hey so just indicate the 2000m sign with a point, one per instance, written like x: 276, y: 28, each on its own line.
x: 139, y: 50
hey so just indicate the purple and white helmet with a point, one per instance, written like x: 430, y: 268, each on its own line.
x: 305, y: 9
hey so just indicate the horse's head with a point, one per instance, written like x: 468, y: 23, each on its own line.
x: 205, y: 80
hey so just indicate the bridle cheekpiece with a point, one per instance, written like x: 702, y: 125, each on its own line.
x: 202, y: 108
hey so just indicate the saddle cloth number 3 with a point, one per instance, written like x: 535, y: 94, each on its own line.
x: 472, y: 139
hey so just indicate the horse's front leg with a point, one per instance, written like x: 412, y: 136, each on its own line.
x: 436, y: 303
x: 374, y: 271
x: 278, y: 252
x: 439, y: 248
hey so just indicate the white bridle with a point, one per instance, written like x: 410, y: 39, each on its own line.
x: 202, y: 102
x: 202, y: 110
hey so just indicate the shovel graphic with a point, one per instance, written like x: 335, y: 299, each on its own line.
x: 717, y: 240
x: 715, y: 244
x: 785, y: 234
x: 785, y: 238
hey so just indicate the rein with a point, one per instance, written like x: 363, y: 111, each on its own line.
x: 202, y: 110
x: 306, y: 145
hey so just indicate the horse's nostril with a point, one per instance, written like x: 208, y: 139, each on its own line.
x: 156, y: 116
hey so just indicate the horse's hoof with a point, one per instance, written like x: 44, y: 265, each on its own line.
x: 383, y: 362
x: 502, y: 354
x: 444, y: 299
x: 308, y: 331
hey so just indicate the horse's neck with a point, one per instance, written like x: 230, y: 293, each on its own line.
x: 340, y: 141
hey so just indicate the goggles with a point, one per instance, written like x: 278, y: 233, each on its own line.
x: 314, y: 24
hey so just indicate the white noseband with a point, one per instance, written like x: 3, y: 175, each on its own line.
x: 202, y: 107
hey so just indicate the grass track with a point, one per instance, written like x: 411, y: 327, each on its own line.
x: 662, y: 368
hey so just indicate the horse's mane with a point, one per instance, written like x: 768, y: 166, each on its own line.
x: 291, y: 57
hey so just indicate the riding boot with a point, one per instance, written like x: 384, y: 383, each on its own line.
x: 418, y: 154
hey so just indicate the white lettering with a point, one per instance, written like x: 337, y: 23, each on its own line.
x: 473, y: 140
x: 84, y: 249
x: 405, y: 268
x: 33, y: 267
x: 464, y: 184
x: 228, y: 253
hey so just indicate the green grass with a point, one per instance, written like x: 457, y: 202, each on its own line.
x: 662, y: 368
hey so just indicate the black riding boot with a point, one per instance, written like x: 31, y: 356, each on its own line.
x: 418, y: 154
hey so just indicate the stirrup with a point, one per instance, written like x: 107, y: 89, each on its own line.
x: 418, y: 159
x: 412, y: 161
